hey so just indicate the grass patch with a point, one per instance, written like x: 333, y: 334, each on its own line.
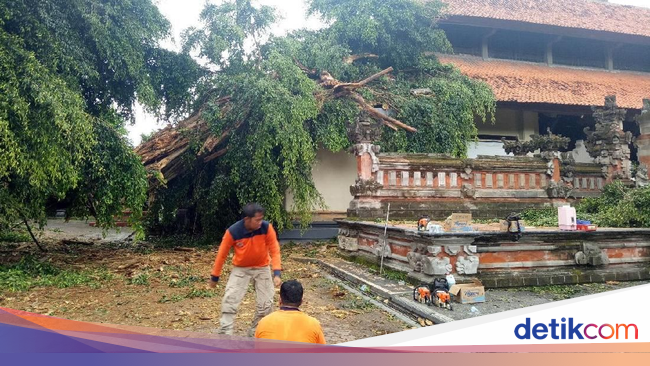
x: 171, y: 299
x: 173, y: 241
x: 141, y: 280
x: 557, y: 291
x: 200, y: 293
x: 185, y: 281
x: 358, y: 304
x: 14, y: 237
x: 373, y: 267
x: 30, y: 273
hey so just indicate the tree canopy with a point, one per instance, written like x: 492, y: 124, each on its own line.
x: 271, y: 102
x: 70, y: 75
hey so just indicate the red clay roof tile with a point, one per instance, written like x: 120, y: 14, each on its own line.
x: 525, y: 82
x: 582, y: 14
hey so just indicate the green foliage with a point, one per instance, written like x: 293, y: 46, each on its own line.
x: 281, y: 115
x: 14, y: 237
x: 30, y: 273
x: 546, y: 217
x: 617, y: 206
x: 200, y: 293
x: 70, y: 73
x: 171, y: 299
x: 141, y: 279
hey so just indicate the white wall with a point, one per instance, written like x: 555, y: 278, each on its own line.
x: 333, y: 175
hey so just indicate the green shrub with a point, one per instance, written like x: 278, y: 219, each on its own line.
x: 617, y: 206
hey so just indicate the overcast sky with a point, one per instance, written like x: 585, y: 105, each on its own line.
x: 185, y: 13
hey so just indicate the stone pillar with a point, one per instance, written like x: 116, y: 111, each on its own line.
x: 608, y: 144
x: 364, y: 132
x: 643, y: 143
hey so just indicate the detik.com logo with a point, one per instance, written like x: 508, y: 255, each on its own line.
x: 571, y: 330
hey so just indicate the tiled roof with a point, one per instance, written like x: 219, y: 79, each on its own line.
x: 582, y: 14
x: 524, y: 82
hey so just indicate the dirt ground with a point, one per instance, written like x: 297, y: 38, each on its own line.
x: 166, y: 288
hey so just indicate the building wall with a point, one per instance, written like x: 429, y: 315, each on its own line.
x: 508, y: 123
x: 333, y: 175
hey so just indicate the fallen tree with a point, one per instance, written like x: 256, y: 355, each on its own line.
x: 267, y: 109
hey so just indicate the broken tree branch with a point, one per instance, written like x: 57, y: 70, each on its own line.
x: 359, y: 99
x: 29, y: 229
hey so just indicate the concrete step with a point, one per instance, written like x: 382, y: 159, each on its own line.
x: 399, y: 295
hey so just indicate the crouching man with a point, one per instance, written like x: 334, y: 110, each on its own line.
x: 289, y: 323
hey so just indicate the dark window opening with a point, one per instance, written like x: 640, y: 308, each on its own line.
x: 580, y: 52
x: 520, y: 46
x: 496, y: 138
x: 566, y: 125
x: 632, y: 58
x: 465, y: 40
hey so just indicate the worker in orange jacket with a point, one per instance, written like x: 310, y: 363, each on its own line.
x: 289, y: 323
x: 256, y: 246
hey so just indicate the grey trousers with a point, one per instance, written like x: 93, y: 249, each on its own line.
x: 236, y: 289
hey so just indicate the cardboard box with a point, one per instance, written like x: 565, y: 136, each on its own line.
x: 458, y: 222
x: 468, y: 293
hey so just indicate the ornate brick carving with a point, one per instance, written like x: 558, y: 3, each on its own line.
x: 468, y: 191
x: 452, y: 249
x: 364, y: 187
x: 608, y: 144
x: 434, y: 266
x: 545, y: 143
x: 641, y: 176
x: 382, y: 244
x: 467, y: 265
x: 591, y: 255
x: 559, y: 189
x: 364, y: 129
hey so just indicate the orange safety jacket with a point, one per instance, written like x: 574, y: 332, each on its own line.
x: 252, y: 248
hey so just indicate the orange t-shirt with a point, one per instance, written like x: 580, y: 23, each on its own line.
x: 252, y: 248
x: 290, y: 325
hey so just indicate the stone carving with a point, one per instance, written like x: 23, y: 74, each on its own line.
x: 559, y: 189
x: 470, y: 249
x: 543, y: 143
x: 365, y: 186
x: 608, y: 144
x: 467, y: 170
x: 567, y: 169
x: 364, y: 129
x: 468, y: 191
x: 467, y: 265
x: 382, y: 244
x: 452, y: 249
x: 417, y: 257
x: 348, y: 239
x: 641, y: 176
x: 591, y: 255
x: 437, y: 266
x: 434, y: 249
x: 348, y: 243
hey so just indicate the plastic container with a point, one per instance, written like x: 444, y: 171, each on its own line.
x: 434, y: 229
x: 567, y: 218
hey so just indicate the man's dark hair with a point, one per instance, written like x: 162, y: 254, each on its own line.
x: 252, y: 209
x: 291, y: 293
